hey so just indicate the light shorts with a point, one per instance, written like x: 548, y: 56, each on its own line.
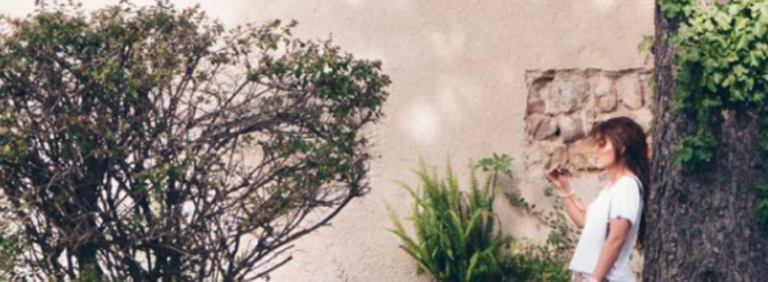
x: 579, y: 276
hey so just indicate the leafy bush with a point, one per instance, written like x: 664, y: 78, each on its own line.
x: 534, y: 263
x: 150, y: 143
x: 562, y: 237
x: 454, y: 240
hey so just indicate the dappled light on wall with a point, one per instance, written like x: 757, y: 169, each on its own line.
x: 604, y: 4
x: 422, y: 124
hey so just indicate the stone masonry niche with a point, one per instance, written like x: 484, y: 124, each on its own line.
x: 563, y: 105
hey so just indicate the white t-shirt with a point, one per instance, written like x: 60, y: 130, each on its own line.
x: 625, y: 202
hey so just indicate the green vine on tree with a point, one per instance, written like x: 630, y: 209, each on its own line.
x: 675, y: 9
x: 721, y: 65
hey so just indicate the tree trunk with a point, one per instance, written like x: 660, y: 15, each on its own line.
x: 702, y: 225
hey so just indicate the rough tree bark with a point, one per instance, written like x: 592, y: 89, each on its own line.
x: 701, y: 226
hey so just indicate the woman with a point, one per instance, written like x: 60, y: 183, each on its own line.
x: 615, y: 218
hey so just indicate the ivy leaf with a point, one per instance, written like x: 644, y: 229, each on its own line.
x: 764, y: 141
x: 759, y: 30
x: 733, y: 9
x: 646, y: 44
x: 761, y: 211
x: 741, y: 23
x: 723, y: 21
x: 711, y: 103
x: 762, y: 189
x: 683, y: 155
x: 717, y: 77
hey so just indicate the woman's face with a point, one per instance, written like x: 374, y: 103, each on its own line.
x: 604, y: 152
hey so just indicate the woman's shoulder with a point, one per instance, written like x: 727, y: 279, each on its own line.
x: 629, y: 177
x: 627, y: 182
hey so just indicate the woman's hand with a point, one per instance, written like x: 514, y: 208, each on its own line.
x: 559, y: 177
x: 576, y: 211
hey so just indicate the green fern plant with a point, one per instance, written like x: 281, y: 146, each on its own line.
x: 455, y: 239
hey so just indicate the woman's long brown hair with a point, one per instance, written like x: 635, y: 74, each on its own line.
x: 624, y: 132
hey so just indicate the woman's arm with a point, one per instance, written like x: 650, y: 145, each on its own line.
x: 575, y: 209
x: 610, y: 253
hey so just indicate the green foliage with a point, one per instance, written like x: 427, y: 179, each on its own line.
x: 496, y: 164
x: 721, y: 59
x: 646, y: 44
x: 696, y: 150
x: 761, y: 207
x: 675, y: 9
x: 536, y: 264
x: 721, y: 65
x: 455, y: 240
x: 442, y: 213
x: 562, y: 237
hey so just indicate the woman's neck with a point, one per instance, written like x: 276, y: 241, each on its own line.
x: 617, y: 172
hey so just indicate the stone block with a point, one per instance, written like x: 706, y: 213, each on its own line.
x: 644, y: 117
x: 558, y: 158
x: 581, y: 156
x: 566, y: 95
x: 536, y: 104
x: 571, y: 128
x: 629, y: 92
x: 540, y: 126
x: 605, y: 95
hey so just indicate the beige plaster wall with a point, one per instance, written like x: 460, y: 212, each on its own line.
x: 459, y: 70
